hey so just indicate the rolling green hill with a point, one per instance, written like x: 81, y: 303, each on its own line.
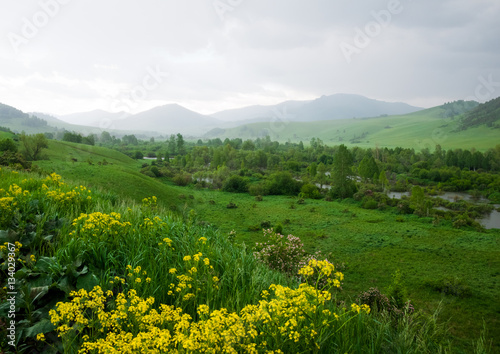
x: 104, y: 168
x: 422, y: 129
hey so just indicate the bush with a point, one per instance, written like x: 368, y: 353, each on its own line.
x: 155, y: 171
x: 285, y: 254
x: 235, y: 184
x: 182, y: 179
x: 265, y: 224
x: 369, y: 203
x: 8, y: 145
x: 282, y: 183
x: 309, y: 190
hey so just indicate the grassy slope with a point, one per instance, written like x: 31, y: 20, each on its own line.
x: 416, y: 130
x: 374, y: 245
x: 120, y: 176
x: 4, y: 135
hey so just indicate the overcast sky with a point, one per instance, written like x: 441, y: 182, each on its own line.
x: 65, y: 56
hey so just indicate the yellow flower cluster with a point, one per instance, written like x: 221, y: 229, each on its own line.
x: 131, y: 324
x: 99, y: 225
x: 315, y: 272
x: 76, y: 195
x: 357, y: 308
x: 6, y: 204
x: 16, y: 191
x: 149, y: 202
x: 54, y: 179
x: 10, y: 200
x: 199, y: 277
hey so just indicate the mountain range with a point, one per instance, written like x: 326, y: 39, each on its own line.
x: 173, y: 118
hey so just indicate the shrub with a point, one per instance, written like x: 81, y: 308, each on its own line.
x: 309, y: 190
x: 235, y: 184
x: 282, y: 183
x: 265, y: 225
x: 182, y: 179
x: 369, y: 203
x: 280, y: 253
x: 155, y: 171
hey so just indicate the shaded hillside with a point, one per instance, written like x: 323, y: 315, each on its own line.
x: 486, y: 114
x: 15, y: 119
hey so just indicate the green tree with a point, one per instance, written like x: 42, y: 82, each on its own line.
x: 8, y: 145
x: 171, y: 145
x: 417, y: 199
x: 368, y: 168
x: 343, y: 184
x: 33, y: 145
x: 382, y: 179
x: 105, y: 137
x: 180, y: 144
x: 313, y: 168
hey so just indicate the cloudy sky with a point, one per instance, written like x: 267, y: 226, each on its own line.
x: 65, y: 56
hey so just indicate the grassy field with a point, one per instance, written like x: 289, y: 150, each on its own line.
x: 373, y: 245
x: 417, y: 130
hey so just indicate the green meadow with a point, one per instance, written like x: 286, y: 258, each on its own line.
x: 372, y: 245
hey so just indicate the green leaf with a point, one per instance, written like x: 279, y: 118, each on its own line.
x: 87, y: 282
x: 38, y: 292
x: 44, y: 264
x: 44, y: 326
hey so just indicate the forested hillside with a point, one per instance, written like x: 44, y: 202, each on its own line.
x: 487, y: 114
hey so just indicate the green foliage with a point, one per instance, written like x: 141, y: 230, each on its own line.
x: 343, y: 185
x: 182, y: 179
x: 368, y: 168
x: 8, y: 145
x: 282, y: 183
x: 33, y: 145
x: 309, y: 190
x: 397, y: 290
x: 235, y: 184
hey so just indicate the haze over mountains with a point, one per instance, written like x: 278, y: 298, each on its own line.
x: 173, y: 118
